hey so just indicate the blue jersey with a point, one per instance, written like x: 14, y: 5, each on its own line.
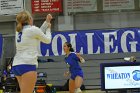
x: 73, y: 61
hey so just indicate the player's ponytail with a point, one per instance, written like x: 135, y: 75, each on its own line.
x: 71, y: 49
x: 19, y: 27
x: 22, y: 18
x: 70, y: 46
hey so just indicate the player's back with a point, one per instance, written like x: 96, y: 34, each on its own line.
x: 26, y: 46
x: 26, y: 39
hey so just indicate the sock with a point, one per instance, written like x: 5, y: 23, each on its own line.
x: 78, y: 90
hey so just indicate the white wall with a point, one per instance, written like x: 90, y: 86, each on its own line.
x: 107, y: 20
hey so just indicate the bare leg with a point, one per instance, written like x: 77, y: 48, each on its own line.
x: 71, y: 86
x: 28, y: 82
x: 78, y: 83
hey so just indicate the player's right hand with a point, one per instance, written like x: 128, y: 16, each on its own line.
x: 66, y: 74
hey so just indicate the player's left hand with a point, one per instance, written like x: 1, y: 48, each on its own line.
x: 49, y: 18
x: 82, y: 60
x: 78, y: 55
x: 49, y: 25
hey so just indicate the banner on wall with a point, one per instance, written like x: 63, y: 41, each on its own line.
x: 11, y: 7
x: 46, y: 6
x: 118, y: 4
x: 94, y: 41
x: 1, y: 44
x: 80, y: 5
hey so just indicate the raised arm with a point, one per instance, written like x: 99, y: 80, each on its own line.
x: 46, y: 23
x: 82, y: 60
x: 43, y: 37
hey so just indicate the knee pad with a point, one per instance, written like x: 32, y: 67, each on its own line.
x: 78, y: 90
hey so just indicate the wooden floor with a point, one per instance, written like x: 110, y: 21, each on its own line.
x: 98, y: 91
x: 86, y: 91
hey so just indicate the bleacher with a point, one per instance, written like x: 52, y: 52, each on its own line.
x: 91, y: 68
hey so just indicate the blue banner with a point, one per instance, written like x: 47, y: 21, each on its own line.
x: 1, y: 43
x: 94, y: 41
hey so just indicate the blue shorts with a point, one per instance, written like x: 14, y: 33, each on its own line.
x: 75, y: 74
x: 19, y: 70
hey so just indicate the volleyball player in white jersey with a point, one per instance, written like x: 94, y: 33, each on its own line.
x: 28, y: 38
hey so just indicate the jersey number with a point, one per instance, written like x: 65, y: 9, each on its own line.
x: 19, y: 37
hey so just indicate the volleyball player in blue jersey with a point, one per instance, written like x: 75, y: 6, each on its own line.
x: 27, y: 39
x: 72, y: 60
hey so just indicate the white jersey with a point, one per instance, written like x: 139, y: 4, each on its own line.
x: 27, y: 42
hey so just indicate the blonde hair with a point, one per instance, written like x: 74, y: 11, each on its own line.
x: 22, y: 18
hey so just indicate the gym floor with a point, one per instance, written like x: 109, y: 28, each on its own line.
x: 86, y: 91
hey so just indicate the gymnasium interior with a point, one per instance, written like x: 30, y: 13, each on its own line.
x: 105, y: 32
